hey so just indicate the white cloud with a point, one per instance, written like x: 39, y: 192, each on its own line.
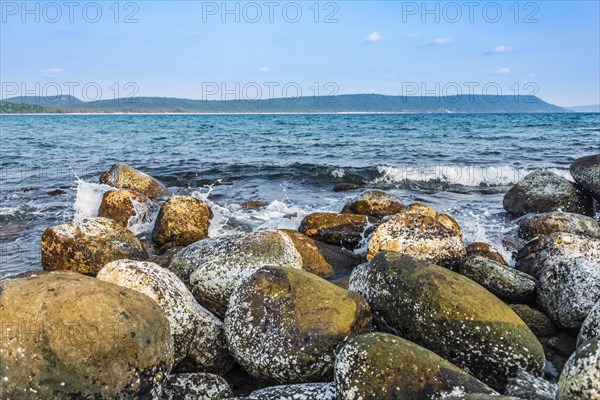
x: 53, y: 72
x: 501, y: 49
x: 503, y: 71
x: 442, y: 41
x: 374, y: 37
x: 264, y: 69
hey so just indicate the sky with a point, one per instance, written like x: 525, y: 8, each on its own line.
x: 215, y: 50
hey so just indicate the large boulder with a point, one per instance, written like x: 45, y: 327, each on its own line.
x: 322, y: 259
x: 123, y: 176
x: 286, y: 325
x: 86, y: 246
x: 449, y: 314
x: 67, y: 335
x: 580, y: 379
x: 300, y: 391
x: 198, y: 335
x: 346, y: 230
x: 122, y: 205
x: 591, y: 326
x: 543, y: 191
x: 537, y: 225
x: 377, y: 366
x: 485, y: 250
x: 182, y: 220
x: 419, y: 231
x: 375, y: 203
x: 527, y: 386
x: 215, y: 267
x: 196, y: 386
x: 586, y: 172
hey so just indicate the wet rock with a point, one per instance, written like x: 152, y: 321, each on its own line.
x: 527, y: 386
x: 302, y: 391
x: 591, y: 325
x: 67, y: 335
x: 382, y: 366
x: 580, y: 379
x: 121, y: 205
x: 286, y: 325
x: 419, y: 231
x: 343, y: 187
x: 196, y: 386
x: 123, y: 176
x: 477, y: 396
x: 543, y: 191
x: 215, y: 267
x: 56, y: 192
x: 448, y: 314
x: 374, y: 203
x: 165, y: 258
x: 346, y: 230
x: 485, y: 250
x: 254, y: 204
x: 182, y: 220
x: 86, y: 246
x: 505, y: 282
x: 539, y: 323
x: 198, y: 335
x: 537, y: 225
x: 586, y: 172
x: 322, y: 259
x: 562, y: 343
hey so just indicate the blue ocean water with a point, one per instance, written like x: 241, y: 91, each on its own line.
x: 459, y: 164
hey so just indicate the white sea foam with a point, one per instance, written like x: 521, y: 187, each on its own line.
x: 88, y: 199
x: 338, y: 173
x: 144, y: 219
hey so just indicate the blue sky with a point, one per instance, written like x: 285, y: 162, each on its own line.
x: 197, y: 49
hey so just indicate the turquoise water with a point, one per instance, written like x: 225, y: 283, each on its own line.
x: 460, y: 164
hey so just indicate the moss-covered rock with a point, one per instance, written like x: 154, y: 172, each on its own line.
x: 198, y: 336
x: 196, y: 386
x: 591, y: 325
x: 539, y: 323
x: 215, y: 267
x: 322, y: 259
x: 543, y: 191
x: 86, y: 246
x: 122, y: 205
x: 301, y: 391
x: 537, y: 225
x: 378, y: 366
x: 346, y: 230
x: 66, y: 335
x: 182, y: 220
x: 123, y: 176
x: 375, y: 203
x: 419, y: 231
x: 580, y: 379
x: 505, y: 282
x: 448, y: 314
x: 586, y: 172
x: 286, y: 325
x: 485, y: 250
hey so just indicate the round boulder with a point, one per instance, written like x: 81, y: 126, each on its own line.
x: 580, y: 379
x: 123, y: 176
x: 86, y: 246
x: 197, y: 386
x: 538, y: 225
x: 286, y: 325
x: 67, y: 335
x: 586, y: 172
x: 301, y: 391
x: 198, y: 336
x: 346, y: 230
x: 591, y: 326
x: 485, y: 250
x: 182, y: 220
x: 122, y: 205
x: 375, y: 203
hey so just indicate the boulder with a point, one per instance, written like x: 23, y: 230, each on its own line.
x: 301, y: 391
x: 449, y: 314
x: 346, y: 230
x: 254, y: 204
x: 419, y: 231
x: 182, y: 220
x: 322, y: 259
x: 374, y: 203
x: 507, y: 283
x: 539, y: 323
x: 215, y: 267
x: 122, y: 205
x: 86, y: 246
x: 543, y: 191
x: 286, y: 325
x: 591, y: 325
x: 586, y: 172
x: 198, y: 336
x: 196, y: 386
x: 67, y: 335
x: 378, y: 365
x: 527, y: 386
x: 580, y: 379
x: 165, y: 258
x: 345, y: 186
x: 123, y: 176
x: 537, y: 225
x: 485, y: 250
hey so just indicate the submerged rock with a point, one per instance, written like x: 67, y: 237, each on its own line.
x: 218, y: 265
x: 485, y: 250
x: 374, y: 203
x: 539, y: 323
x: 527, y: 386
x: 543, y: 191
x: 182, y: 220
x: 286, y: 325
x: 302, y: 391
x: 448, y: 314
x: 377, y: 366
x: 538, y: 225
x: 123, y: 176
x: 346, y: 230
x: 197, y: 386
x: 86, y: 246
x: 419, y: 231
x: 591, y: 325
x: 71, y: 336
x: 580, y: 379
x: 586, y: 172
x: 342, y: 187
x: 120, y: 205
x: 198, y: 335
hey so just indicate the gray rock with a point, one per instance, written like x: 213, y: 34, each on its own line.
x: 537, y: 225
x: 302, y: 391
x: 196, y: 386
x: 346, y: 230
x: 586, y: 172
x: 375, y: 203
x: 580, y: 379
x: 591, y: 325
x: 527, y: 386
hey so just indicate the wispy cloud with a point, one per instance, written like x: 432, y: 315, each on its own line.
x: 442, y: 41
x: 374, y: 37
x: 500, y: 49
x: 264, y: 69
x: 502, y: 71
x: 53, y: 72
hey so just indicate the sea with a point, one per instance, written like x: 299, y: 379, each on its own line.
x: 459, y: 164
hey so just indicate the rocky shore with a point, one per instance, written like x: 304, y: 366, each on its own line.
x: 382, y: 300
